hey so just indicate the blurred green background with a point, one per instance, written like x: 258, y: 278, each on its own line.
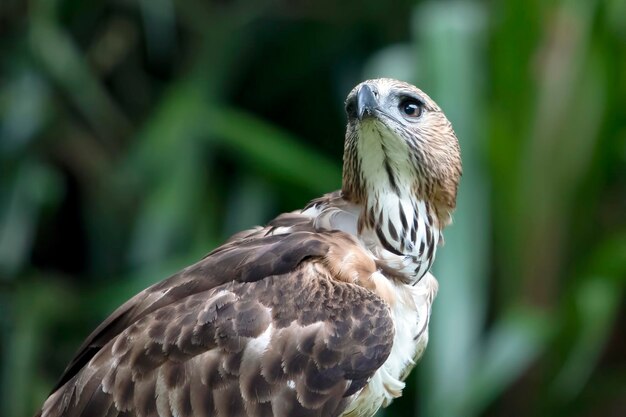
x: 136, y: 135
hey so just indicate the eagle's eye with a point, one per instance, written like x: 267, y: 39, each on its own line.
x: 351, y: 108
x: 410, y: 107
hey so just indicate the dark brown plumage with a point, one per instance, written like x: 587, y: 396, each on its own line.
x: 323, y: 312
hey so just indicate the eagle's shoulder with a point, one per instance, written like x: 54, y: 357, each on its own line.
x: 278, y: 320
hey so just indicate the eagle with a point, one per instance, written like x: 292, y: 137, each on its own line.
x: 322, y: 312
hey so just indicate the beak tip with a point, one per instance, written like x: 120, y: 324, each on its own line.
x: 366, y: 102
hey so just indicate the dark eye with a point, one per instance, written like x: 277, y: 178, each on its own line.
x: 351, y: 108
x: 410, y: 107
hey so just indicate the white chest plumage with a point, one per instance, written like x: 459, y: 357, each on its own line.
x: 410, y: 251
x: 411, y: 313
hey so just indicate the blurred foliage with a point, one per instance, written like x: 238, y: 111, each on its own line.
x: 135, y: 136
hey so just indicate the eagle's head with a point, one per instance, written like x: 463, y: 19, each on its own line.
x: 399, y: 141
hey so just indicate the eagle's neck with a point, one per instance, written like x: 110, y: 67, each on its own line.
x: 396, y: 219
x: 401, y: 229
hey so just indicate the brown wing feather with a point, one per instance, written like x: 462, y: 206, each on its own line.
x: 246, y: 259
x: 260, y: 327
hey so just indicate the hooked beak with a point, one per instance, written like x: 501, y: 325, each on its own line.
x: 366, y: 102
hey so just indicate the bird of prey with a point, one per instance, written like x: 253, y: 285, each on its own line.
x: 323, y: 312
